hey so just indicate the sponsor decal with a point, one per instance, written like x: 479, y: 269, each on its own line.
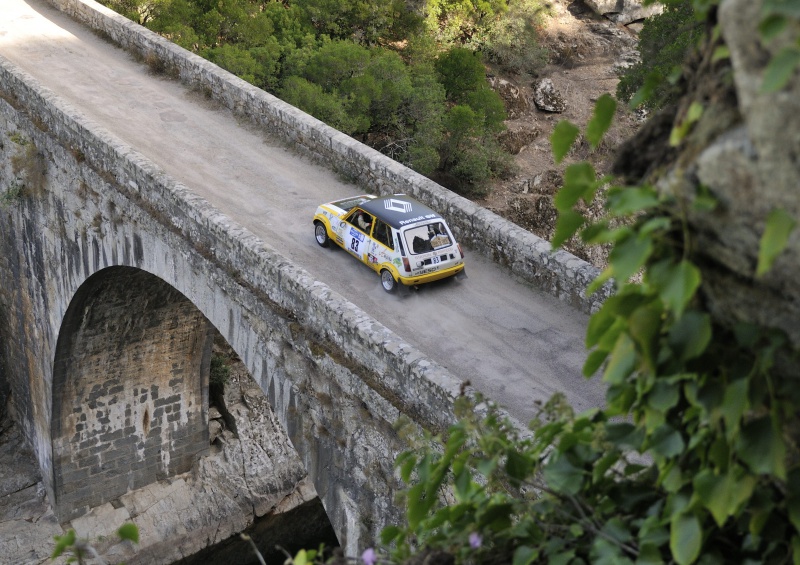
x: 397, y: 205
x: 418, y: 219
x: 356, y: 234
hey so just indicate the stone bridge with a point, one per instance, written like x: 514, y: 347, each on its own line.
x: 114, y: 279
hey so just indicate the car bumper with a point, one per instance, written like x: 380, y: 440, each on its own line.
x: 430, y: 277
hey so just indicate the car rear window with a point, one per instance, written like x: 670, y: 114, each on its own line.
x: 427, y: 237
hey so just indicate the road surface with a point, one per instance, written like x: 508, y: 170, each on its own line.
x: 514, y: 343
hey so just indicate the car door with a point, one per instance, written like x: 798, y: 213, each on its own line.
x: 355, y: 238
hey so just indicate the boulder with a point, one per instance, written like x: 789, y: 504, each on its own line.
x: 547, y: 98
x: 624, y: 12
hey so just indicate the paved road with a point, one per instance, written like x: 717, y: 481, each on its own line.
x: 512, y: 342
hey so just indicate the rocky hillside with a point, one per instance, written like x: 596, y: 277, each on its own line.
x: 588, y: 44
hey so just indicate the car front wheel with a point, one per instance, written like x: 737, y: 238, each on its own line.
x: 387, y: 281
x: 321, y: 234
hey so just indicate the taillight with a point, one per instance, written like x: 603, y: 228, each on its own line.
x: 460, y: 250
x: 406, y: 266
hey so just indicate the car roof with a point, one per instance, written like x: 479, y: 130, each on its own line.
x: 399, y: 210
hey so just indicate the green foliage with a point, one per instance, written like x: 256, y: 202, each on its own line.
x: 470, y: 156
x: 11, y: 195
x: 695, y: 457
x: 776, y: 235
x: 664, y: 42
x: 512, y: 41
x: 220, y: 371
x: 326, y: 58
x: 363, y: 21
x: 462, y: 72
x: 777, y: 17
x: 457, y: 21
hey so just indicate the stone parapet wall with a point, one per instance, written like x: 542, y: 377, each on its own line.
x: 527, y: 256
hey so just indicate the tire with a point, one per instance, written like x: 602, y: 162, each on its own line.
x: 387, y: 281
x: 321, y: 234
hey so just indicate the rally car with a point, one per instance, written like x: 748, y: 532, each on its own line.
x: 402, y: 240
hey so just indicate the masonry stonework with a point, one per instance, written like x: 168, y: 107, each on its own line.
x: 130, y: 388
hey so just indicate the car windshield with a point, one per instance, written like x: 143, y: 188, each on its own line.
x: 428, y: 237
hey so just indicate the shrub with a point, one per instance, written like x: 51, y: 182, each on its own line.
x: 324, y: 106
x: 462, y: 72
x: 664, y: 42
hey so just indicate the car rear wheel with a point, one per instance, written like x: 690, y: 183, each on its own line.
x: 387, y: 281
x: 321, y: 234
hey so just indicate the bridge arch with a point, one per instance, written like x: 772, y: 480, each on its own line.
x: 130, y: 388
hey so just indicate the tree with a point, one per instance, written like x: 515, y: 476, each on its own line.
x: 367, y: 22
x: 462, y: 72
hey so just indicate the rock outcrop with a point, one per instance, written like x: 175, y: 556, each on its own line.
x: 547, y: 98
x: 745, y: 151
x: 624, y: 12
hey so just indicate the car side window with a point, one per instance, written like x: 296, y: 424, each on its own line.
x: 383, y: 233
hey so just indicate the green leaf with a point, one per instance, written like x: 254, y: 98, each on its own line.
x: 602, y: 320
x: 760, y: 445
x: 720, y: 53
x: 680, y: 131
x: 579, y: 182
x: 389, y: 534
x: 603, y: 114
x: 685, y: 538
x: 594, y: 361
x: 62, y: 543
x: 622, y: 361
x: 525, y: 555
x: 629, y: 256
x: 417, y: 509
x: 128, y: 532
x: 562, y: 476
x: 734, y: 405
x: 776, y: 235
x: 723, y: 494
x: 689, y: 337
x: 645, y: 327
x: 780, y: 69
x: 667, y: 442
x: 562, y: 138
x: 651, y: 83
x: 517, y: 465
x: 301, y: 558
x: 676, y: 283
x: 796, y: 549
x: 772, y: 26
x: 631, y: 200
x: 569, y: 221
x: 663, y: 396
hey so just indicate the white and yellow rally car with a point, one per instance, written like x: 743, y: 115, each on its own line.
x: 402, y: 240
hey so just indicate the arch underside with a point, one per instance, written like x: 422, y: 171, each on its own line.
x: 130, y: 388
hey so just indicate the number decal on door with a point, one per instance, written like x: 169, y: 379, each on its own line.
x: 435, y: 260
x: 354, y: 245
